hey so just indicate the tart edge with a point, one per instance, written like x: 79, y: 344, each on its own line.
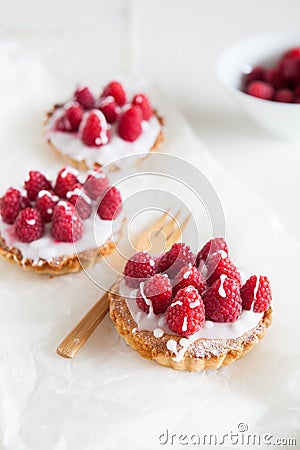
x: 146, y: 344
x: 59, y: 265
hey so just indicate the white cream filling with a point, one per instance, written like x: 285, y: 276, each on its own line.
x: 210, y: 330
x: 96, y: 232
x: 71, y: 145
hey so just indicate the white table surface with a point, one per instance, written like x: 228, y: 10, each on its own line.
x: 176, y: 45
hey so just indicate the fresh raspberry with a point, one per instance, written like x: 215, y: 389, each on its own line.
x: 84, y: 97
x: 96, y: 184
x: 143, y: 102
x: 274, y: 77
x: 284, y: 95
x: 218, y: 265
x: 116, y: 90
x: 223, y: 301
x: 293, y: 53
x: 130, y: 127
x: 82, y: 202
x: 66, y: 225
x: 45, y: 204
x: 94, y: 130
x: 297, y: 91
x: 139, y: 267
x: 186, y: 314
x: 109, y: 107
x: 178, y: 256
x: 71, y: 118
x: 290, y: 69
x: 110, y: 205
x: 297, y: 99
x: 260, y: 89
x: 213, y: 246
x: 66, y: 179
x: 35, y: 183
x: 11, y: 204
x: 257, y: 290
x: 29, y: 225
x: 158, y: 291
x: 257, y: 74
x: 189, y: 276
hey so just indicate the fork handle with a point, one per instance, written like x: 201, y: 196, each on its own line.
x: 77, y: 337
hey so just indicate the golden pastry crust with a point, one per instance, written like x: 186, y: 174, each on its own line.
x: 200, y: 355
x: 82, y: 165
x: 60, y: 265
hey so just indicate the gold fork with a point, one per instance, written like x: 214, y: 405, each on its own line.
x: 76, y: 338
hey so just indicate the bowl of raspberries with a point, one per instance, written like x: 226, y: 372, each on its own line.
x: 263, y: 74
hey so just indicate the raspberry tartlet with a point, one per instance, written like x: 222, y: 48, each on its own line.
x: 90, y: 131
x: 190, y: 312
x: 57, y: 227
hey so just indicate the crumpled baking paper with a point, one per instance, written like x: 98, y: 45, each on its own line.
x: 108, y: 397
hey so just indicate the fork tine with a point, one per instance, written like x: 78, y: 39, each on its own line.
x: 174, y: 237
x: 168, y: 225
x: 145, y: 235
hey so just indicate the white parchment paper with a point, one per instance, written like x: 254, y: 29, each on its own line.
x: 109, y: 397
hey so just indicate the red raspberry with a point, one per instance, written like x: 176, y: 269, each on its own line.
x: 217, y: 265
x: 260, y: 89
x: 110, y: 205
x: 274, y: 77
x: 94, y: 130
x: 71, y: 118
x: 130, y: 127
x: 178, y: 256
x: 84, y: 97
x: 139, y: 267
x: 186, y: 314
x: 29, y: 225
x: 66, y: 225
x: 189, y: 276
x: 256, y: 294
x: 109, y: 107
x: 158, y: 291
x: 292, y: 53
x: 257, y: 74
x: 213, y: 246
x: 223, y: 301
x: 45, y: 204
x: 11, y: 204
x: 143, y: 102
x: 116, y: 90
x: 297, y: 91
x: 290, y: 69
x: 297, y: 99
x: 82, y: 202
x: 66, y: 179
x: 35, y: 183
x: 284, y: 95
x: 96, y: 184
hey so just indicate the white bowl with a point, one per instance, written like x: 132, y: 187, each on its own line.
x: 281, y: 119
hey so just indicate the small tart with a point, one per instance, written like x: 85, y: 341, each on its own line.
x: 83, y: 157
x: 200, y: 355
x: 56, y: 250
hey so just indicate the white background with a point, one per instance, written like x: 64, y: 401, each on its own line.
x: 176, y: 44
